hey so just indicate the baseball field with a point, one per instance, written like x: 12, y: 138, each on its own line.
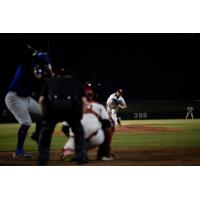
x: 135, y: 143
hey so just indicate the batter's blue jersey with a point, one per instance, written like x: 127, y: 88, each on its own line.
x: 22, y: 81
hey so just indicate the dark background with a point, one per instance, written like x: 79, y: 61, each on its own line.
x: 146, y: 66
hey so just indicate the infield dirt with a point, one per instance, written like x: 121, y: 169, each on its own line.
x: 124, y: 157
x: 158, y: 156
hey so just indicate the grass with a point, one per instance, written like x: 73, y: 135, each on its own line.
x: 188, y: 137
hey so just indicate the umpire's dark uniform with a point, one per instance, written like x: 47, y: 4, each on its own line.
x: 61, y: 100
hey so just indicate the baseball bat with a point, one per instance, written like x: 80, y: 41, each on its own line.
x: 34, y: 52
x: 26, y: 44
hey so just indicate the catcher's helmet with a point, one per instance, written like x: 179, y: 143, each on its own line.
x: 89, y: 93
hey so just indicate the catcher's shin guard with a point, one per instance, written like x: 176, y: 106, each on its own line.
x: 65, y: 130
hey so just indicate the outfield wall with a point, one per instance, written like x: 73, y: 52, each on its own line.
x: 141, y: 110
x: 159, y: 109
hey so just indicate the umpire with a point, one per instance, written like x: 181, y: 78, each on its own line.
x: 62, y: 99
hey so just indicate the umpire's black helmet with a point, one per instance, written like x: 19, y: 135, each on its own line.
x: 63, y: 71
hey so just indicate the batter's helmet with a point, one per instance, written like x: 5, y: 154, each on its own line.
x: 41, y: 57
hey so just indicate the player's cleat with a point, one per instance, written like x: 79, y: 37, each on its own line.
x: 82, y: 161
x: 21, y: 154
x: 67, y: 155
x: 35, y: 137
x: 107, y: 158
x: 119, y: 121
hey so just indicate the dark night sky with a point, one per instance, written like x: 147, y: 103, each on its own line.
x: 146, y: 66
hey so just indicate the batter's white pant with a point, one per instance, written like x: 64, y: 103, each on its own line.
x: 94, y: 135
x: 23, y: 108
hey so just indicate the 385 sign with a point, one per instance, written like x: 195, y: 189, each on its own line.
x: 140, y: 115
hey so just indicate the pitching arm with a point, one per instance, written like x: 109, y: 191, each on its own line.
x: 123, y: 107
x: 122, y: 103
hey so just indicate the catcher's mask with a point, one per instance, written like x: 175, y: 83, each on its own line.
x: 89, y: 93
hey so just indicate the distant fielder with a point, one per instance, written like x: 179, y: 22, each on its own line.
x: 114, y: 102
x: 189, y: 112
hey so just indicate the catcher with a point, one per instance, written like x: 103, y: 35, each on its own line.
x: 98, y: 130
x: 114, y: 102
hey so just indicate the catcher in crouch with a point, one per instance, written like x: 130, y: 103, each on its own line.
x: 98, y: 128
x: 114, y: 102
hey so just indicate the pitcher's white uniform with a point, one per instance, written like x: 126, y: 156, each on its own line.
x: 92, y: 126
x: 113, y: 103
